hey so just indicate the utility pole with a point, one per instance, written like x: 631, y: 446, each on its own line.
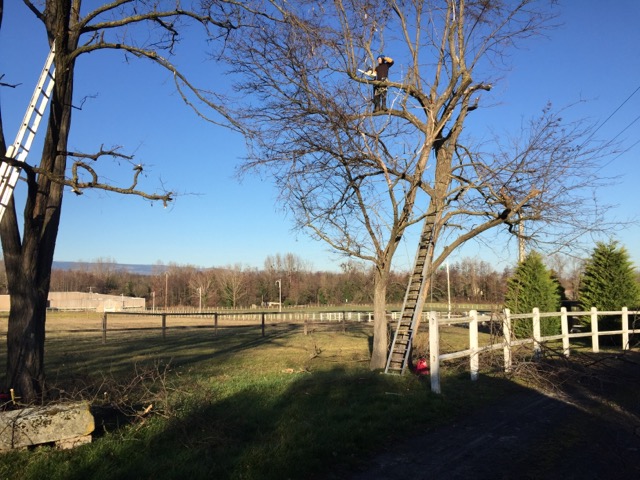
x: 279, y: 282
x: 166, y: 289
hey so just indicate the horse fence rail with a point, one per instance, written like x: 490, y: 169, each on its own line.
x: 510, y: 341
x: 215, y: 320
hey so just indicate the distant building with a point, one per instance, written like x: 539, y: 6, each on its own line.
x: 87, y: 301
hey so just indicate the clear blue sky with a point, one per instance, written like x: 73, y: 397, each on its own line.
x: 218, y: 221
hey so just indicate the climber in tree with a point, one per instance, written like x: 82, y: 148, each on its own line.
x: 380, y: 91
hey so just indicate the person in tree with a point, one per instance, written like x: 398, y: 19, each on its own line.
x: 380, y: 91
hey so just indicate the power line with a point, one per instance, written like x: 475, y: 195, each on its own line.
x: 626, y: 128
x: 614, y: 112
x: 627, y: 150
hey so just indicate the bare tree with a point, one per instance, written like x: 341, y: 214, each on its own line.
x: 232, y: 284
x: 202, y: 285
x: 358, y: 179
x: 287, y: 268
x: 142, y: 29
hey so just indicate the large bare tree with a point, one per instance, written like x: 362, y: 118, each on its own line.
x: 358, y: 179
x: 142, y: 29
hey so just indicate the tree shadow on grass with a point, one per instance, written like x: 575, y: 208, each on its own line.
x: 83, y: 356
x: 340, y: 423
x: 318, y: 419
x: 344, y: 424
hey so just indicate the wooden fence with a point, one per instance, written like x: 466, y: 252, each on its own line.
x: 509, y: 341
x: 215, y: 320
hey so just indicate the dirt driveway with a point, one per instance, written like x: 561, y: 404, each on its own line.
x: 584, y: 425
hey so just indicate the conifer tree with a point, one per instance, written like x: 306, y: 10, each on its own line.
x: 608, y: 281
x: 532, y: 285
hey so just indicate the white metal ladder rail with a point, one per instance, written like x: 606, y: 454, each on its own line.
x: 398, y: 358
x: 20, y: 149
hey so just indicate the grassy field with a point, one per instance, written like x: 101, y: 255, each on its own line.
x: 236, y: 404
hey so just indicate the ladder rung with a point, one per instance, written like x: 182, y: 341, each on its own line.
x: 19, y: 150
x: 405, y: 329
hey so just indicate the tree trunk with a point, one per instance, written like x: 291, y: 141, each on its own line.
x: 28, y: 265
x: 29, y: 252
x: 28, y: 286
x: 25, y: 341
x: 380, y: 332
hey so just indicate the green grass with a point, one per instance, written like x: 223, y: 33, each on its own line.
x: 238, y: 405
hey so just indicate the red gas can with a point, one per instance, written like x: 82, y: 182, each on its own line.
x: 422, y: 367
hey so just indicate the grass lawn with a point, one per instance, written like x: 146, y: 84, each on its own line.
x: 237, y: 405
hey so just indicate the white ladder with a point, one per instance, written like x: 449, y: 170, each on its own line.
x: 20, y: 149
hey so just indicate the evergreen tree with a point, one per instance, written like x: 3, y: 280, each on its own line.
x: 532, y: 285
x: 609, y: 281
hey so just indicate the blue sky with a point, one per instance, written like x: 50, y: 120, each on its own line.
x: 218, y: 221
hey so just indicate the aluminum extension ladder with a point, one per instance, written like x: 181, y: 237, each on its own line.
x: 20, y: 148
x: 398, y: 358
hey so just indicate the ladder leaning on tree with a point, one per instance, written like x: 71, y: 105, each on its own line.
x: 20, y: 148
x: 412, y: 306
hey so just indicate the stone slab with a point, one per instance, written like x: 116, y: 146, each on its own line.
x: 67, y: 424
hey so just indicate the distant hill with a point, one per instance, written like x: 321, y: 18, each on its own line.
x: 132, y: 268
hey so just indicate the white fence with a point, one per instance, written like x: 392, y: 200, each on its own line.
x: 474, y: 350
x: 276, y: 317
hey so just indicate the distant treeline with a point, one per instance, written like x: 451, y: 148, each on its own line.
x: 236, y: 285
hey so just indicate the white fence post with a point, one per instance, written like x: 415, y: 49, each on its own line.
x: 434, y: 352
x: 537, y: 337
x: 625, y: 328
x: 564, y: 324
x: 595, y: 339
x: 474, y: 362
x: 506, y: 330
x: 474, y: 351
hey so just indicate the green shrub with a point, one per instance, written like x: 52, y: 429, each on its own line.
x: 532, y: 285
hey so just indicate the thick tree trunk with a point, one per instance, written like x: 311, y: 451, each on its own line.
x: 25, y: 340
x: 28, y: 252
x: 28, y: 267
x: 380, y: 331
